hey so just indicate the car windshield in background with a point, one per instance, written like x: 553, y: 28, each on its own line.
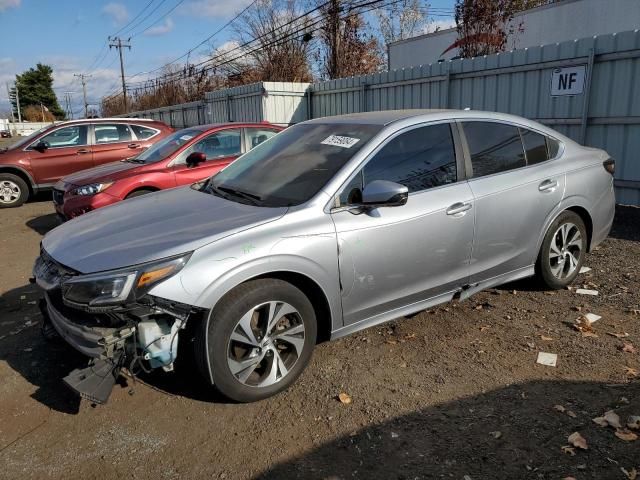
x: 166, y: 146
x: 291, y: 167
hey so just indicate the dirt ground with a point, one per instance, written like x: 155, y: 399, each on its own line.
x: 454, y: 392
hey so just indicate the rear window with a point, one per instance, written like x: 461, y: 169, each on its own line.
x: 535, y: 146
x: 143, y: 132
x: 553, y: 146
x: 494, y: 147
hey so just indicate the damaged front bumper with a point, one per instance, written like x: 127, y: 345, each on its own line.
x: 140, y: 335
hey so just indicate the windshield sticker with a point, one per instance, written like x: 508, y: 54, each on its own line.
x: 186, y: 137
x: 338, y: 141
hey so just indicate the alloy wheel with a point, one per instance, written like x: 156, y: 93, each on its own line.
x: 265, y: 344
x: 9, y: 192
x: 565, y: 250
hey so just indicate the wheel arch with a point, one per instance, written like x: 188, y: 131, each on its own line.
x: 22, y: 174
x: 575, y: 205
x: 586, y: 218
x: 149, y: 188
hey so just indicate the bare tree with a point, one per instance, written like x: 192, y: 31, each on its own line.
x: 272, y: 45
x: 347, y: 46
x: 484, y: 25
x: 401, y: 20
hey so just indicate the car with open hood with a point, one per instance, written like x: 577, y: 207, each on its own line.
x: 330, y: 227
x: 181, y: 158
x: 36, y: 162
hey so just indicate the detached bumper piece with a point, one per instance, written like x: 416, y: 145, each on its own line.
x: 96, y: 381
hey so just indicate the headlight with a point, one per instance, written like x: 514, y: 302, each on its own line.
x: 111, y: 288
x: 91, y: 189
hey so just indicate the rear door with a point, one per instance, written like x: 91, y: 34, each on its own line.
x: 516, y: 188
x: 255, y: 136
x: 113, y: 142
x: 221, y: 148
x: 68, y: 151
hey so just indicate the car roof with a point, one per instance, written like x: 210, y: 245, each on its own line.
x: 211, y: 126
x: 109, y: 119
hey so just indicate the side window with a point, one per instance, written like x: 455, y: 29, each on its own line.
x: 421, y: 158
x: 217, y: 145
x: 256, y: 136
x: 535, y: 146
x: 553, y: 147
x: 143, y: 132
x: 494, y: 147
x: 71, y: 136
x: 111, y: 133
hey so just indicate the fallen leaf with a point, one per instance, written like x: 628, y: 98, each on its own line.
x: 600, y: 421
x: 633, y: 422
x: 612, y: 419
x: 495, y: 435
x: 631, y: 474
x: 584, y: 326
x: 391, y: 342
x: 344, y: 398
x: 578, y: 441
x: 626, y: 435
x: 628, y: 348
x: 568, y: 450
x: 546, y: 339
x: 571, y: 414
x: 560, y: 408
x: 484, y: 327
x: 618, y: 335
x: 409, y: 336
x: 632, y: 372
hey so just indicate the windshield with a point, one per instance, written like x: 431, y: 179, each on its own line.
x: 291, y: 167
x: 167, y: 146
x: 27, y: 139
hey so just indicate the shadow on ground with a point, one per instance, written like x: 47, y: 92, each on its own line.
x: 513, y: 432
x: 44, y: 223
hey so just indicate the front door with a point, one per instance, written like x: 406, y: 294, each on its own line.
x: 221, y: 148
x: 392, y: 257
x: 68, y: 151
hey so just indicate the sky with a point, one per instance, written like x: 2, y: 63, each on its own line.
x: 71, y: 37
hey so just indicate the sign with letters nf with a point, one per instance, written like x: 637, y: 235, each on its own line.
x: 568, y: 80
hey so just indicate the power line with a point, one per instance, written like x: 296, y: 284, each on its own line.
x: 306, y: 28
x: 134, y: 18
x: 158, y: 19
x: 217, y: 32
x: 132, y: 28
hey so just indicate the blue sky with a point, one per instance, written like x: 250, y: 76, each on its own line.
x: 71, y: 36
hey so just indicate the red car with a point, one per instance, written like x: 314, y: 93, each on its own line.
x: 181, y: 158
x: 36, y: 162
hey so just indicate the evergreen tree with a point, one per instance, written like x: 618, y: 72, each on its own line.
x: 35, y: 87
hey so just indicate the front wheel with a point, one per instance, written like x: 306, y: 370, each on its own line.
x: 258, y: 340
x: 13, y: 191
x: 563, y: 251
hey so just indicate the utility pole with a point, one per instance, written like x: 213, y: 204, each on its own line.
x: 82, y: 77
x: 13, y: 117
x: 68, y: 104
x: 119, y: 44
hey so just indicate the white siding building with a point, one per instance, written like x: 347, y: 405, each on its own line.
x: 553, y: 23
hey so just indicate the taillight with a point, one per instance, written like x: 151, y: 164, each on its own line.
x: 610, y: 165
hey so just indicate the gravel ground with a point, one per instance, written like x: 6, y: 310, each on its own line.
x: 454, y: 392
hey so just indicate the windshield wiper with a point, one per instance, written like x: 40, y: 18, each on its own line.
x: 254, y: 199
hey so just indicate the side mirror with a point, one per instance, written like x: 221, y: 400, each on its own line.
x: 195, y: 158
x: 41, y: 146
x: 383, y: 193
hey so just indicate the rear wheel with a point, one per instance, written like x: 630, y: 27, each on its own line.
x: 138, y: 193
x: 13, y: 190
x: 563, y: 251
x: 258, y: 340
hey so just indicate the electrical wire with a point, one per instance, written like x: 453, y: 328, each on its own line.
x: 157, y: 20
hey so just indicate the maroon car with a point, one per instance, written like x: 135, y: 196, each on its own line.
x: 182, y: 158
x: 38, y: 161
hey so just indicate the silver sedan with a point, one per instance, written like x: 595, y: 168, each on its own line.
x: 332, y: 226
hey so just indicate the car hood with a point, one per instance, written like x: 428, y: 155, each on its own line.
x: 107, y: 172
x: 150, y: 227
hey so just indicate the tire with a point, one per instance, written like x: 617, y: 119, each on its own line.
x: 139, y: 193
x: 263, y: 366
x: 13, y: 190
x: 557, y: 267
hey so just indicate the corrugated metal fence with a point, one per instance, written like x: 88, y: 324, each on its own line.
x: 605, y: 113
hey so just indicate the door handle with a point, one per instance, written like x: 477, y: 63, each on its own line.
x: 134, y: 145
x: 459, y: 207
x: 83, y: 150
x: 548, y: 186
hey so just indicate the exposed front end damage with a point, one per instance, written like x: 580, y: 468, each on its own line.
x: 139, y: 333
